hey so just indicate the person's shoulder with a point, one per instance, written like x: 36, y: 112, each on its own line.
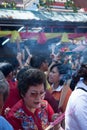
x: 1, y: 118
x: 16, y: 107
x: 4, y: 124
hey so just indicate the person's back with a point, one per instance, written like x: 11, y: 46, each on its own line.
x: 76, y: 110
x: 7, y: 69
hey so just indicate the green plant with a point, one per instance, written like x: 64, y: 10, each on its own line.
x: 45, y: 3
x: 11, y: 5
x: 71, y: 4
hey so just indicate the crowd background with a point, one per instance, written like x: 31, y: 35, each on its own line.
x: 61, y: 72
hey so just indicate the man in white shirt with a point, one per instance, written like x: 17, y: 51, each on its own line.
x: 76, y: 110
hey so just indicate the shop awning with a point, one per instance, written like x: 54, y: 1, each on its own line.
x: 58, y: 21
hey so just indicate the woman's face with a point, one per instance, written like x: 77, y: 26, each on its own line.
x: 34, y: 96
x: 54, y: 75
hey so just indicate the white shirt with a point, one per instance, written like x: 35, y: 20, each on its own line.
x: 58, y: 89
x: 76, y: 110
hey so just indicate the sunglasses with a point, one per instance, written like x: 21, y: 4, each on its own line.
x: 36, y: 94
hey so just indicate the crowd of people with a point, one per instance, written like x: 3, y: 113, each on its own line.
x: 39, y: 95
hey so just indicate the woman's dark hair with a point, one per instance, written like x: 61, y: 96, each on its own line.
x: 31, y: 77
x: 6, y: 68
x: 62, y: 70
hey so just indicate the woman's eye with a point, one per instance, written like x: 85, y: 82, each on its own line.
x: 34, y: 94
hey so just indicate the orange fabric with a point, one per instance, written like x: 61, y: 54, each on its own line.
x: 66, y: 99
x: 56, y: 95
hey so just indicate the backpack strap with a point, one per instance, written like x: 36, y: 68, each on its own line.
x: 82, y: 89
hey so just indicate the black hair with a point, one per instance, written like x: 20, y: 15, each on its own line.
x: 80, y: 73
x: 61, y: 68
x: 36, y: 61
x: 6, y: 68
x: 21, y: 71
x: 31, y: 77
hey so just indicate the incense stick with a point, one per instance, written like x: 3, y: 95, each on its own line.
x: 57, y: 121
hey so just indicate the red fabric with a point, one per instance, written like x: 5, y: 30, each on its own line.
x: 13, y: 97
x: 42, y: 38
x: 52, y: 101
x: 19, y: 115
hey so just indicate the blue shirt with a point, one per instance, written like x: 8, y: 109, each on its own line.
x: 4, y: 124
